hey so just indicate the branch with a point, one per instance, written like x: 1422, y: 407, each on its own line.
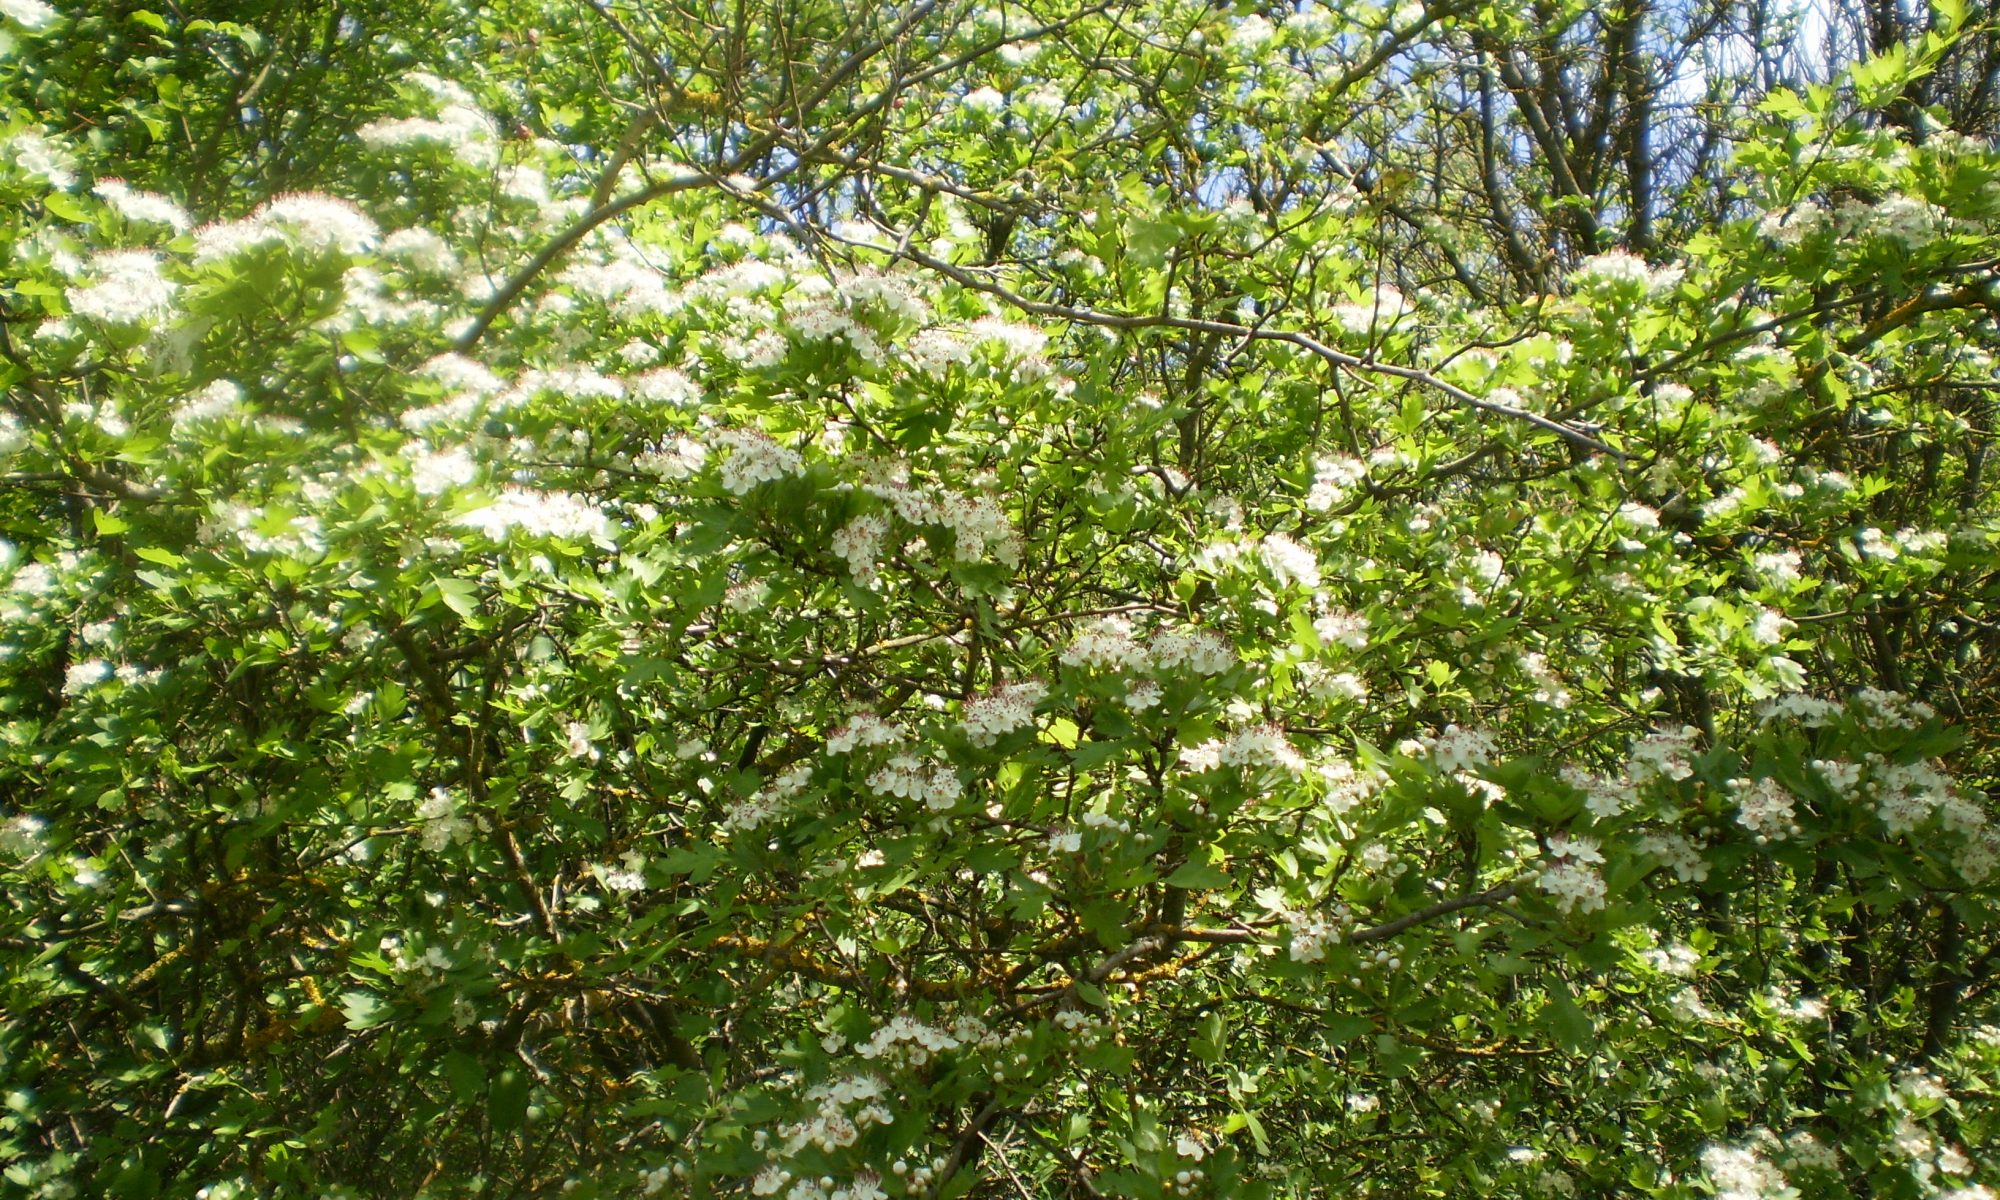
x: 1157, y: 938
x: 1338, y: 358
x: 1389, y: 929
x: 964, y: 1148
x: 519, y: 281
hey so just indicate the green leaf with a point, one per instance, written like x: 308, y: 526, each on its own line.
x: 507, y: 1100
x: 467, y: 1077
x: 1149, y: 239
x: 364, y: 1010
x: 66, y: 206
x: 1339, y: 1030
x: 459, y: 595
x: 1198, y: 876
x: 1786, y: 104
x: 1566, y: 1019
x: 1089, y: 756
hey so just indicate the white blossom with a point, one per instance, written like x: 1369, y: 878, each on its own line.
x: 126, y: 288
x: 674, y: 458
x: 441, y: 823
x: 1794, y: 224
x: 989, y: 717
x: 1766, y: 809
x: 458, y: 128
x: 1574, y: 886
x: 1192, y: 649
x: 930, y: 780
x: 435, y: 472
x: 37, y: 155
x: 859, y: 544
x: 1105, y: 644
x: 1262, y: 745
x: 1678, y: 852
x: 1458, y: 749
x: 665, y: 385
x: 753, y: 459
x: 1293, y: 565
x: 141, y: 208
x: 1743, y: 1173
x: 305, y: 221
x: 1621, y: 271
x: 213, y: 400
x: 83, y: 676
x: 31, y: 15
x: 539, y: 514
x: 1333, y: 477
x: 421, y: 250
x: 862, y: 730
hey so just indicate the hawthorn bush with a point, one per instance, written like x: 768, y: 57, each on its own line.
x: 1121, y: 598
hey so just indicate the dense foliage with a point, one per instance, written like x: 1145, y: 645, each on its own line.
x: 1035, y: 598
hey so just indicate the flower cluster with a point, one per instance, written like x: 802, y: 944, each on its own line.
x: 628, y: 876
x: 1289, y: 564
x: 1744, y: 1173
x: 989, y: 717
x: 1192, y: 649
x: 753, y: 459
x: 306, y: 222
x: 1381, y: 310
x: 440, y: 821
x: 862, y: 730
x: 459, y: 127
x: 1080, y: 1028
x: 769, y: 802
x: 420, y: 251
x: 1604, y: 796
x: 141, y: 208
x: 21, y: 836
x: 1910, y: 220
x: 1678, y: 853
x: 1664, y: 754
x: 1457, y: 749
x: 1619, y: 272
x: 840, y: 1112
x: 463, y: 131
x: 1570, y: 876
x: 673, y: 458
x: 1766, y: 809
x: 1338, y: 627
x: 932, y: 781
x: 859, y: 544
x: 1347, y: 786
x: 979, y: 528
x: 903, y: 1041
x: 126, y: 288
x: 1333, y: 478
x: 1253, y: 746
x: 432, y: 472
x: 1105, y: 644
x: 539, y: 515
x: 1312, y: 932
x: 665, y: 385
x: 1794, y: 224
x: 746, y: 597
x: 1340, y: 687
